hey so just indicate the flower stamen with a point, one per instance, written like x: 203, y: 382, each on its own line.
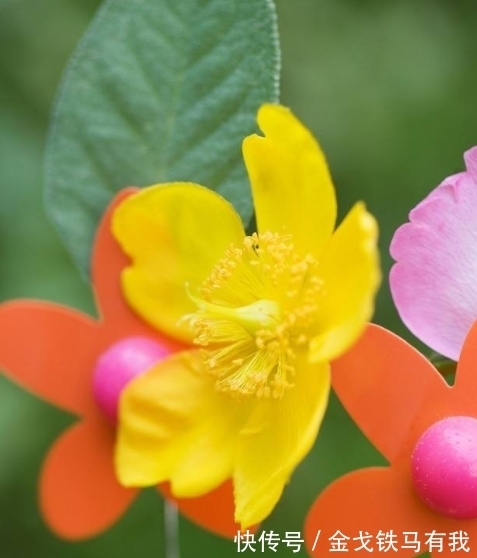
x: 253, y: 313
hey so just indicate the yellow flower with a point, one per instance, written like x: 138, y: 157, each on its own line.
x: 264, y: 315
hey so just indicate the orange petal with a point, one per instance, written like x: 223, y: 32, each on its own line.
x: 51, y: 351
x: 79, y: 494
x: 214, y: 511
x: 108, y: 261
x: 371, y: 500
x: 384, y: 383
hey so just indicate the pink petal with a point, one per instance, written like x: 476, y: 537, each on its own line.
x: 470, y: 158
x: 465, y: 385
x: 434, y: 282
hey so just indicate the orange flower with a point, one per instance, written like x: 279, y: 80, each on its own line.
x: 427, y: 430
x: 52, y: 351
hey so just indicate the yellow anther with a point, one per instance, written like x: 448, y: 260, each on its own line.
x: 254, y: 307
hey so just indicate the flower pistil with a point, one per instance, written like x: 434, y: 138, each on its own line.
x: 254, y: 311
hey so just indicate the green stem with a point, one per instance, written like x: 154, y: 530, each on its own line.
x: 171, y: 529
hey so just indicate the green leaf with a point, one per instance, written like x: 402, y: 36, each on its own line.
x: 158, y: 91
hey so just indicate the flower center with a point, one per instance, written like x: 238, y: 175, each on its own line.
x: 255, y: 310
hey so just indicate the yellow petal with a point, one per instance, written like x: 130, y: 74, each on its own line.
x: 350, y: 271
x: 174, y: 426
x: 277, y: 437
x: 291, y: 184
x: 174, y: 234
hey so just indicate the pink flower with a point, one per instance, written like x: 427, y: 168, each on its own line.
x: 434, y: 280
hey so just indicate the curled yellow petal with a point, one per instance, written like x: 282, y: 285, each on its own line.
x: 174, y: 235
x: 291, y: 184
x: 349, y: 269
x: 174, y: 426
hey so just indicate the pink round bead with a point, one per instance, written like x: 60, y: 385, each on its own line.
x: 444, y: 467
x: 118, y: 365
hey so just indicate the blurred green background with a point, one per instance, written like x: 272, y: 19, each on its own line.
x: 389, y: 88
